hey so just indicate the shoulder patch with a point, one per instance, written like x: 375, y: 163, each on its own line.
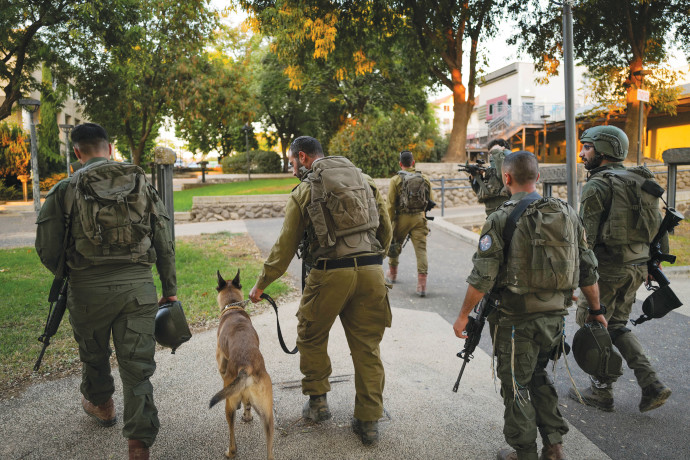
x: 485, y: 242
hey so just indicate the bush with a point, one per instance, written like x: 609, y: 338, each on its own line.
x: 48, y: 182
x: 375, y: 142
x: 9, y: 193
x: 261, y: 161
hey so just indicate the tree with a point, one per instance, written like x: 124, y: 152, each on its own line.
x: 129, y: 75
x: 14, y: 154
x: 357, y: 36
x: 49, y: 145
x: 619, y: 41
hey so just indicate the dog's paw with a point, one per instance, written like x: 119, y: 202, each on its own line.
x: 231, y: 454
x: 247, y: 416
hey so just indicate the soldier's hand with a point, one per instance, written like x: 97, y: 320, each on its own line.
x: 255, y: 294
x: 459, y: 327
x: 163, y: 300
x: 599, y: 318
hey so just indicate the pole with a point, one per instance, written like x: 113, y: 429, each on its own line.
x: 640, y: 137
x: 246, y: 143
x: 36, y: 189
x: 570, y: 133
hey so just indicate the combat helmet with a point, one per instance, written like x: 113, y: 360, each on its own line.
x: 594, y: 353
x: 609, y: 141
x: 171, y: 328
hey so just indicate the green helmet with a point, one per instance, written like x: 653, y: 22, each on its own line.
x: 594, y: 353
x: 171, y: 329
x: 608, y: 141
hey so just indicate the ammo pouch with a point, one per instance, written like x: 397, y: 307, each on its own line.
x: 342, y: 210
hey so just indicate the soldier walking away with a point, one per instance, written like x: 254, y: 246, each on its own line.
x: 621, y: 217
x: 530, y: 277
x: 488, y: 184
x: 117, y: 228
x: 409, y: 194
x: 339, y: 219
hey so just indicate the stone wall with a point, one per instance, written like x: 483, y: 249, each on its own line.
x: 233, y: 207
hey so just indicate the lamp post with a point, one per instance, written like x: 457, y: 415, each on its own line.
x: 67, y: 128
x: 246, y: 128
x: 31, y: 106
x: 545, y: 117
x: 640, y: 124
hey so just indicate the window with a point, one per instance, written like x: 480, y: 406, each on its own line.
x: 446, y: 108
x: 491, y: 109
x: 500, y: 107
x: 509, y: 102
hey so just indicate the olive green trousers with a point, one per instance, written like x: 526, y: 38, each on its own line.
x: 618, y: 285
x: 127, y: 312
x: 360, y: 298
x: 415, y: 226
x: 531, y: 403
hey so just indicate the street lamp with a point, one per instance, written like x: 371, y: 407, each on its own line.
x: 640, y: 75
x: 246, y: 128
x: 31, y: 106
x: 67, y: 128
x: 545, y: 117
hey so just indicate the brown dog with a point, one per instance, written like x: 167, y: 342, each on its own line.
x: 241, y: 365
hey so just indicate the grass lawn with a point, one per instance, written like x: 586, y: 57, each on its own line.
x: 24, y: 285
x: 680, y: 244
x: 183, y: 198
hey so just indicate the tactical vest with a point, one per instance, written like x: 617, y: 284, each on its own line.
x: 111, y: 215
x: 633, y: 216
x: 543, y: 265
x: 414, y: 195
x: 342, y: 211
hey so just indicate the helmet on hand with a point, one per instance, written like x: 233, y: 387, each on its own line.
x: 171, y: 328
x: 594, y: 353
x: 609, y: 141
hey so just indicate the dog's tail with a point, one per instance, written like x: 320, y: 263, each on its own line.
x: 232, y: 388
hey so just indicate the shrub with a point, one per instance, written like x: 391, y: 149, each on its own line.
x: 48, y: 182
x: 262, y: 161
x: 8, y: 193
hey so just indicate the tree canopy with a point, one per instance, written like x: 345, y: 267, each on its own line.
x: 624, y: 44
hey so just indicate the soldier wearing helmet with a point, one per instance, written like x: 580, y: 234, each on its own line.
x: 620, y: 219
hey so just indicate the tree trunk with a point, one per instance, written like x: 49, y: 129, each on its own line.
x: 284, y: 143
x: 632, y: 114
x: 458, y: 137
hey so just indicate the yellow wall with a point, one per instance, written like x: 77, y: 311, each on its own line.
x: 667, y: 133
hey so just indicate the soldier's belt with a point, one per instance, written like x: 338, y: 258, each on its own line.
x: 349, y: 262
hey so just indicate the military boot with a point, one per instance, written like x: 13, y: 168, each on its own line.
x: 654, y: 395
x: 392, y: 274
x: 104, y: 413
x: 552, y: 452
x: 506, y: 454
x: 137, y: 450
x: 368, y: 432
x: 421, y: 284
x: 597, y: 395
x: 316, y: 409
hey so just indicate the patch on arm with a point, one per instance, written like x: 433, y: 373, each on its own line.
x: 485, y: 243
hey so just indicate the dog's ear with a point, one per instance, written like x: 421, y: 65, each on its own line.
x: 236, y: 281
x: 221, y: 282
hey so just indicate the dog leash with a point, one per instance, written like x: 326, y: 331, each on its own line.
x: 280, y: 334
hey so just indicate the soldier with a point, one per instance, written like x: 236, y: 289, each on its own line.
x: 409, y: 193
x: 533, y: 280
x: 342, y: 221
x: 621, y: 219
x: 488, y: 185
x: 111, y: 290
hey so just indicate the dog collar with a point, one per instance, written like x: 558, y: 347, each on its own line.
x: 235, y: 306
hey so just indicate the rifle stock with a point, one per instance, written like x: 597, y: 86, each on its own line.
x: 474, y: 329
x: 58, y: 305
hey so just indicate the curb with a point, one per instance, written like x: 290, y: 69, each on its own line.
x: 462, y: 233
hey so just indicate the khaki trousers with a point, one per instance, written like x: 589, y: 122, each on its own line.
x: 415, y: 226
x: 359, y: 297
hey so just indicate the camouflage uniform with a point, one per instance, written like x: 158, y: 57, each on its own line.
x: 117, y: 298
x: 358, y: 295
x: 622, y: 269
x: 405, y: 224
x: 536, y: 334
x: 490, y: 189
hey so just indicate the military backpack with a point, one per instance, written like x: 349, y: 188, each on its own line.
x: 342, y: 209
x: 414, y: 193
x: 111, y: 214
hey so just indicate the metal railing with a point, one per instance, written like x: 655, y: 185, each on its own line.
x: 443, y: 189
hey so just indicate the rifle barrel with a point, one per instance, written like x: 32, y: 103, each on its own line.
x: 462, y: 369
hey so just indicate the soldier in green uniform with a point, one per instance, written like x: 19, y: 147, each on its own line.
x: 340, y: 218
x: 111, y: 290
x: 409, y: 193
x: 621, y: 219
x: 533, y: 282
x: 488, y: 185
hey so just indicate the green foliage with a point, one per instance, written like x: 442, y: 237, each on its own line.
x: 24, y: 285
x: 50, y: 157
x: 8, y: 193
x: 261, y: 161
x: 15, y: 156
x: 375, y: 143
x: 183, y: 199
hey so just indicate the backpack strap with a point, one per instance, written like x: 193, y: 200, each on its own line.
x: 511, y: 223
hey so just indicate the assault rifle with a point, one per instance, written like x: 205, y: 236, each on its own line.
x: 474, y: 334
x: 58, y: 304
x: 473, y: 170
x: 663, y: 299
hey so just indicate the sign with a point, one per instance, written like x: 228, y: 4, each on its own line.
x: 643, y: 95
